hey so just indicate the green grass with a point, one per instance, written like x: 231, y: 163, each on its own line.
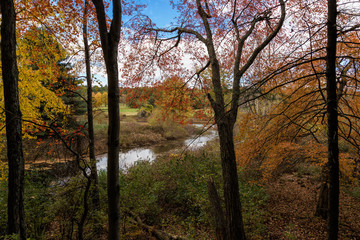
x: 128, y: 111
x: 101, y: 117
x: 123, y: 109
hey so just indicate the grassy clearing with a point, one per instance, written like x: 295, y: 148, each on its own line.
x: 125, y: 110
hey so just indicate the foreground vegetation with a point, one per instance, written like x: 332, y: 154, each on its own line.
x: 169, y: 194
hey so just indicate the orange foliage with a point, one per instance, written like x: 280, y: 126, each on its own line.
x: 174, y: 100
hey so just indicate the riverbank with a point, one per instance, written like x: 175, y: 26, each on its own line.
x: 134, y: 133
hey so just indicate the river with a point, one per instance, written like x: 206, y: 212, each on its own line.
x: 127, y: 158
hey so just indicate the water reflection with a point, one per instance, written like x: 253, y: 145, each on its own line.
x: 199, y: 141
x: 126, y: 159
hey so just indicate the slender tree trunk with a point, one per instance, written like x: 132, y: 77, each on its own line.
x: 332, y: 113
x: 109, y: 43
x: 113, y: 151
x: 86, y: 209
x: 10, y: 74
x: 95, y: 189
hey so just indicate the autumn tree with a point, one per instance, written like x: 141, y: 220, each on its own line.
x: 97, y: 99
x: 226, y: 36
x: 10, y: 75
x: 173, y: 100
x: 40, y: 93
x: 321, y: 84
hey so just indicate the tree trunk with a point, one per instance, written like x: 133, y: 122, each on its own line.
x: 323, y: 201
x: 95, y: 189
x: 113, y: 149
x: 217, y: 212
x: 332, y: 113
x: 109, y: 44
x: 10, y: 74
x: 86, y: 209
x: 234, y: 223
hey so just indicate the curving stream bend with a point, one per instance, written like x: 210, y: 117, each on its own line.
x: 127, y: 158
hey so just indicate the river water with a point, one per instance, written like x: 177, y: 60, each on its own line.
x: 127, y: 158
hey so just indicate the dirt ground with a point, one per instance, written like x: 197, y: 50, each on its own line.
x: 291, y: 208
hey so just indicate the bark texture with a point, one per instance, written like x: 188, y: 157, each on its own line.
x: 95, y: 189
x: 217, y: 212
x: 332, y: 114
x: 10, y: 75
x: 109, y: 44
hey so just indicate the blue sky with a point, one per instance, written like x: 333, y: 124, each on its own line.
x: 160, y: 12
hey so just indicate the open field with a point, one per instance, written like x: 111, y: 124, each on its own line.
x: 125, y: 110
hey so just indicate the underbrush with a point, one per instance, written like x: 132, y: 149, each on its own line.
x: 356, y: 192
x: 171, y: 194
x: 169, y: 126
x: 37, y: 203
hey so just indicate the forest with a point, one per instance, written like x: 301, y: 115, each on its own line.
x: 236, y: 120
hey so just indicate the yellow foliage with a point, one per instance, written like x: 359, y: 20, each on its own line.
x: 97, y: 99
x: 3, y: 171
x: 37, y: 69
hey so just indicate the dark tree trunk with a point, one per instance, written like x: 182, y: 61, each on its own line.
x: 109, y: 43
x: 234, y: 223
x: 95, y: 189
x: 332, y: 114
x: 10, y: 74
x: 217, y: 212
x: 323, y: 201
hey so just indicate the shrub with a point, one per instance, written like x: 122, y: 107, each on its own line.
x: 38, y: 204
x: 172, y: 193
x: 171, y: 128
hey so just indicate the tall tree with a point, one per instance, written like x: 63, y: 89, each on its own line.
x: 95, y: 192
x: 332, y: 113
x: 226, y: 36
x: 10, y: 74
x: 109, y: 43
